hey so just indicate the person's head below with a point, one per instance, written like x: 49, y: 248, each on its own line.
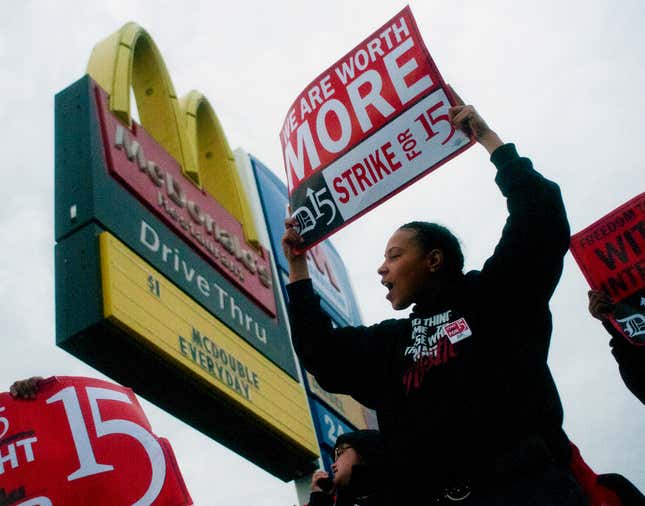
x: 358, y: 448
x: 419, y: 258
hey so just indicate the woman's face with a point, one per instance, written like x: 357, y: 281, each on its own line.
x: 346, y: 458
x: 406, y: 270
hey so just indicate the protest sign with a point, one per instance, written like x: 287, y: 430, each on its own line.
x: 84, y: 441
x: 611, y: 255
x: 367, y: 127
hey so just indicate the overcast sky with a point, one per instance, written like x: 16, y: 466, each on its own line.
x: 563, y: 80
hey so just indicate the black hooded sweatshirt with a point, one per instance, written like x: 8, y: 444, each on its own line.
x: 464, y: 381
x: 631, y: 361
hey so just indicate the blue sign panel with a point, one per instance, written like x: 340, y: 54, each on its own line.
x: 328, y: 424
x: 331, y: 282
x: 326, y: 267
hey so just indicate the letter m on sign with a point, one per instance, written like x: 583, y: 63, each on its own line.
x: 294, y: 161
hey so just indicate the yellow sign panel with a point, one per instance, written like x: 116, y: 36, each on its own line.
x: 148, y: 305
x: 343, y: 404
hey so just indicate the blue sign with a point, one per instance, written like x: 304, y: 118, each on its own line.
x: 331, y: 282
x: 328, y: 424
x: 326, y: 267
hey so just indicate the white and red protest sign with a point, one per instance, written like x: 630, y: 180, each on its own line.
x: 84, y: 441
x: 367, y: 127
x: 611, y: 255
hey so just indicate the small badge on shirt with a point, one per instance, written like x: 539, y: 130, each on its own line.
x: 457, y: 330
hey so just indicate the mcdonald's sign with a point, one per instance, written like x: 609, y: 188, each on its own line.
x: 162, y: 281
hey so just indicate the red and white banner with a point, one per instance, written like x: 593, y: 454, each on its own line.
x: 367, y: 127
x: 611, y: 255
x: 84, y: 441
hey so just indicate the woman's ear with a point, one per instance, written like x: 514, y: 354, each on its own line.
x: 434, y: 259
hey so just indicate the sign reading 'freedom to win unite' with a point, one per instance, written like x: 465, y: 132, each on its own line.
x: 611, y: 255
x: 367, y: 127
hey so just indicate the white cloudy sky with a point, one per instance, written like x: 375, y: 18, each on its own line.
x: 564, y: 80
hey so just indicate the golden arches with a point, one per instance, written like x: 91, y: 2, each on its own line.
x: 189, y: 131
x: 218, y: 171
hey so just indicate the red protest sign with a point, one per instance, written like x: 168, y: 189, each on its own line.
x: 84, y: 441
x: 611, y: 255
x: 367, y: 127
